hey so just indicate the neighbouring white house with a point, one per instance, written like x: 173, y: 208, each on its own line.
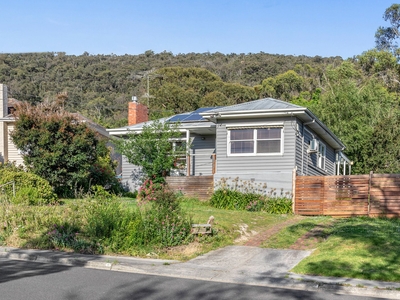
x: 262, y: 141
x: 10, y: 153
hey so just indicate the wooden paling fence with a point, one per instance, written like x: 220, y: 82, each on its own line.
x: 351, y: 195
x: 200, y: 187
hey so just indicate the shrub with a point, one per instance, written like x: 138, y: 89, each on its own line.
x: 68, y: 236
x: 244, y: 195
x: 148, y: 188
x: 231, y: 199
x: 102, y: 172
x: 30, y: 189
x: 165, y: 223
x: 279, y: 206
x: 160, y: 222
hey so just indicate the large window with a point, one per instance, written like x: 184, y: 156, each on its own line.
x: 252, y: 141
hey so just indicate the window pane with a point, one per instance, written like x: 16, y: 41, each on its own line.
x: 269, y: 133
x: 242, y: 147
x: 268, y: 146
x: 242, y: 134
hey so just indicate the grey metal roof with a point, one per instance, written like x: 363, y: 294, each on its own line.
x: 203, y: 126
x: 256, y: 105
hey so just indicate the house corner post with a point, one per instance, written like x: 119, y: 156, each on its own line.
x: 188, y: 167
x: 369, y: 192
x: 294, y: 190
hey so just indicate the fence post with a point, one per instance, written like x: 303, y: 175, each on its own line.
x: 214, y: 163
x: 188, y: 168
x: 369, y: 191
x: 294, y: 190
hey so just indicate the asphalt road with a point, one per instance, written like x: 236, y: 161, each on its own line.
x: 42, y: 281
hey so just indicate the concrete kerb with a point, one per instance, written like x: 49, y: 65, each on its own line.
x: 198, y: 269
x: 79, y: 260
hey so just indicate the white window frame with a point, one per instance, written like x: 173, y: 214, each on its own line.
x: 254, y: 140
x: 321, y: 155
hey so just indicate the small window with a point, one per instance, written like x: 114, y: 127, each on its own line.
x: 321, y: 154
x: 255, y: 141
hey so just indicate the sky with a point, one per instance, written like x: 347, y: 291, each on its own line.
x: 290, y: 27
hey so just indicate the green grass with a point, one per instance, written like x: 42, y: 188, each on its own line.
x: 290, y: 234
x: 229, y: 225
x: 366, y: 248
x: 28, y: 226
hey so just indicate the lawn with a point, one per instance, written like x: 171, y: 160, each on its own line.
x: 366, y: 248
x: 29, y: 226
x: 359, y: 247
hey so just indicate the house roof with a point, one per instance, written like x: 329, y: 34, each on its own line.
x: 269, y: 107
x: 96, y: 127
x: 191, y: 120
x: 257, y: 105
x: 204, y: 120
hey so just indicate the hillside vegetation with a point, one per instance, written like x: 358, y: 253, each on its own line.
x: 101, y: 85
x: 357, y: 98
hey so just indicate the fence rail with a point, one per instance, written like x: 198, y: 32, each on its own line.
x: 351, y: 195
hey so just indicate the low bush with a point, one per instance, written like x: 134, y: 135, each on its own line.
x: 243, y: 195
x: 231, y: 199
x: 159, y: 222
x: 30, y: 189
x: 278, y: 205
x: 164, y: 221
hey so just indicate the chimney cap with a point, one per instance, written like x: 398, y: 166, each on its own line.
x: 134, y: 99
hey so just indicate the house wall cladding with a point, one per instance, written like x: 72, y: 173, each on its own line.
x: 13, y: 154
x: 130, y: 176
x: 3, y: 127
x: 307, y: 163
x: 352, y: 195
x: 203, y: 147
x: 274, y: 170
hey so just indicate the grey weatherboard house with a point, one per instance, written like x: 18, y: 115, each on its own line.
x: 262, y: 141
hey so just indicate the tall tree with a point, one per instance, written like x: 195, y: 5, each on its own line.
x: 386, y: 37
x: 363, y: 113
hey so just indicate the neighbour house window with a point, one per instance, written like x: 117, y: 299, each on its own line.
x: 321, y: 154
x: 255, y: 141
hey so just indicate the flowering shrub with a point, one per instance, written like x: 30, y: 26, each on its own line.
x: 148, y: 188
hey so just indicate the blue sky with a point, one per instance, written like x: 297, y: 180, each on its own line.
x: 291, y: 27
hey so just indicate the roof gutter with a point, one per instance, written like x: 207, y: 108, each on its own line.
x: 244, y: 114
x: 320, y: 124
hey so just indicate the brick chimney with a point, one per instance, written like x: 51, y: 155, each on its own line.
x: 137, y: 112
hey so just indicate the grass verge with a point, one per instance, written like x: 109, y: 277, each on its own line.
x: 289, y: 235
x: 34, y: 226
x: 366, y: 248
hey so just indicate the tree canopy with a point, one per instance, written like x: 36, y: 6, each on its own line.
x: 56, y: 146
x: 153, y: 149
x: 386, y: 37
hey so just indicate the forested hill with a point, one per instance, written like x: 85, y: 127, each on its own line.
x: 100, y: 86
x: 358, y: 99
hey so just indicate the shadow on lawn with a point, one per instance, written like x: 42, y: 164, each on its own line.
x: 365, y: 248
